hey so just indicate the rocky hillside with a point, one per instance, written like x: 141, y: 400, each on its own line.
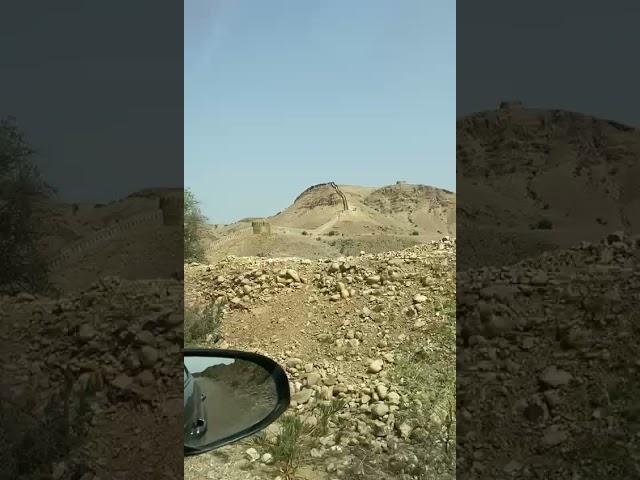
x: 547, y: 357
x: 546, y: 178
x: 133, y: 238
x: 369, y: 345
x: 400, y: 208
x: 85, y: 375
x: 329, y: 220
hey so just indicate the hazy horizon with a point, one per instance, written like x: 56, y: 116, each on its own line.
x: 286, y: 95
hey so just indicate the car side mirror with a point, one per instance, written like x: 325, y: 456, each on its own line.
x: 229, y: 395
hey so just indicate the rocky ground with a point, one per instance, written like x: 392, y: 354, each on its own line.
x: 369, y: 346
x: 90, y: 384
x: 547, y: 365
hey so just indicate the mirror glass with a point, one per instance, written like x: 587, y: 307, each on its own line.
x: 224, y: 396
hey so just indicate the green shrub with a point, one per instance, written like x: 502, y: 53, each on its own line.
x: 23, y: 268
x: 200, y: 322
x: 193, y: 223
x: 31, y: 444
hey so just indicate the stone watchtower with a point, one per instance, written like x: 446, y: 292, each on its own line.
x: 172, y: 206
x: 260, y: 227
x: 511, y: 105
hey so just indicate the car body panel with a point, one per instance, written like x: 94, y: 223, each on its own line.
x: 195, y: 425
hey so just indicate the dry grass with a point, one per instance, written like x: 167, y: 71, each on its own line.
x: 32, y: 443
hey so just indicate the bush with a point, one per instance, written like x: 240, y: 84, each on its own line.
x: 31, y: 444
x: 327, y: 412
x: 23, y: 268
x: 289, y: 446
x: 193, y: 222
x: 415, y: 233
x: 198, y: 323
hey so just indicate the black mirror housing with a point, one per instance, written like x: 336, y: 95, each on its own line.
x: 229, y: 395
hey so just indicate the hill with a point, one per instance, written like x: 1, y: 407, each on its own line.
x: 328, y: 220
x: 135, y: 237
x: 580, y: 175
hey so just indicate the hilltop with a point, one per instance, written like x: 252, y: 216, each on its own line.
x: 580, y: 175
x: 329, y: 219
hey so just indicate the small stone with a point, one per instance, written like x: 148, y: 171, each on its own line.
x: 512, y: 467
x: 419, y: 298
x: 393, y: 398
x: 552, y: 377
x: 539, y: 279
x: 122, y: 382
x: 293, y: 362
x: 404, y: 429
x: 330, y: 380
x: 552, y: 397
x: 380, y: 429
x: 252, y: 454
x: 375, y: 366
x: 553, y: 436
x: 316, y: 453
x: 293, y: 275
x: 25, y: 297
x: 145, y: 337
x: 267, y: 459
x: 146, y: 378
x: 373, y: 279
x: 303, y: 396
x: 313, y: 378
x: 148, y: 356
x: 382, y: 391
x: 380, y: 409
x: 86, y: 332
x: 388, y: 357
x: 59, y: 470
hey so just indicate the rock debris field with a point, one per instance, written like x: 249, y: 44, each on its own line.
x: 91, y: 383
x: 547, y: 365
x: 369, y: 346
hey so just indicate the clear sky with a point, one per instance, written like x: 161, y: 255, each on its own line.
x: 285, y: 94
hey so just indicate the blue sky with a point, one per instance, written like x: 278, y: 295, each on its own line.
x: 284, y: 94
